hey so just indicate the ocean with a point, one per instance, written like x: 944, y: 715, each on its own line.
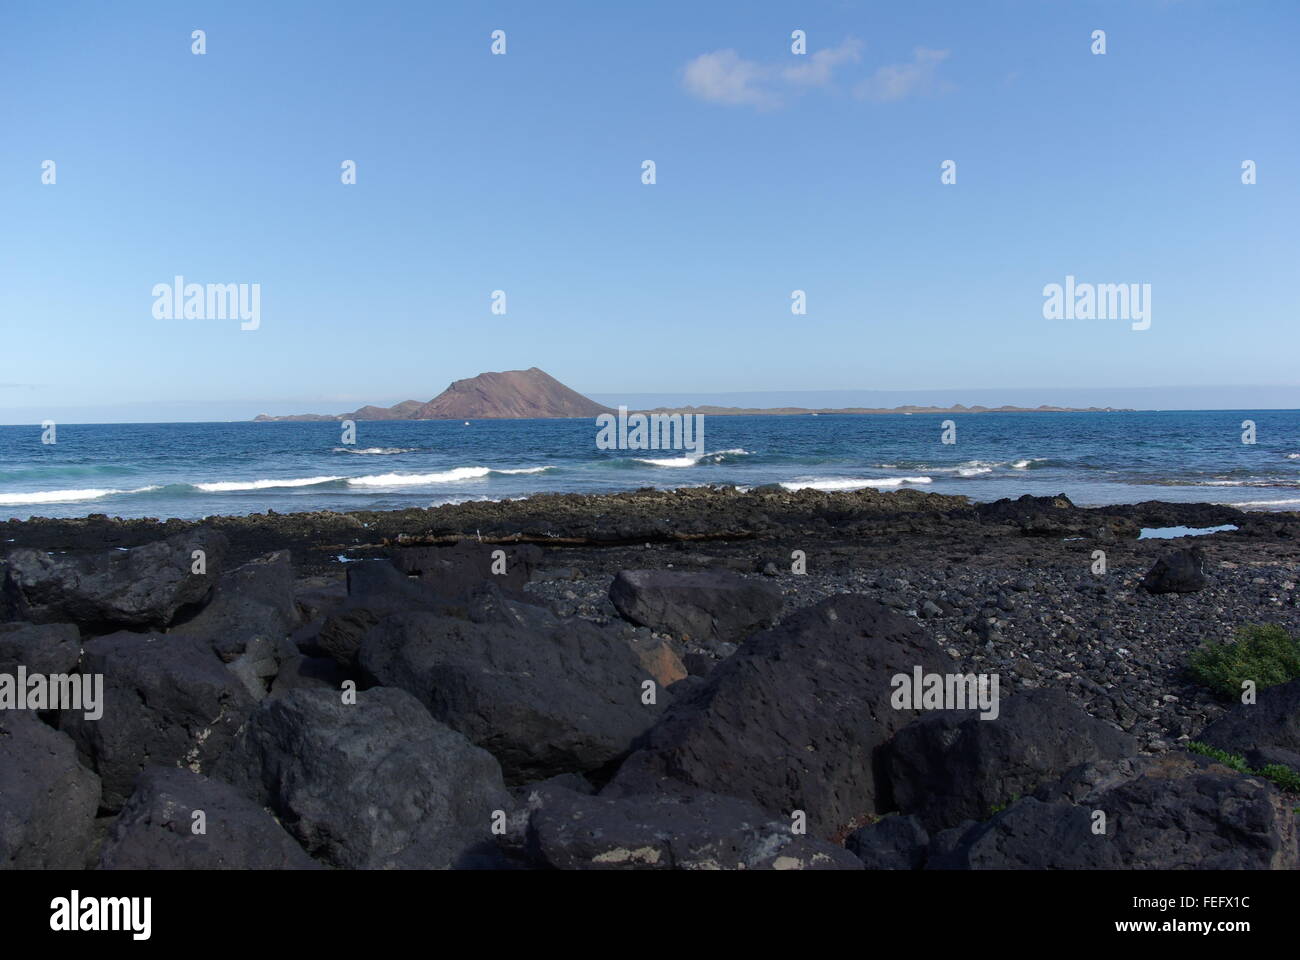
x: 192, y: 470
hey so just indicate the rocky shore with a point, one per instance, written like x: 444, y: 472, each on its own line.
x: 689, y: 679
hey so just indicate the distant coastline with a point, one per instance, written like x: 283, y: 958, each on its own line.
x: 533, y: 394
x: 806, y: 411
x: 714, y: 412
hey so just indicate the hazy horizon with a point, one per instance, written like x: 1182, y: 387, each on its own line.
x: 1135, y: 398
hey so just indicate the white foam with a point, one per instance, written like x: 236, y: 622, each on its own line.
x: 1261, y: 503
x: 850, y: 483
x: 1239, y: 483
x: 670, y: 461
x: 233, y: 486
x: 64, y: 496
x: 418, y: 479
x: 691, y: 461
x: 524, y: 470
x: 375, y: 451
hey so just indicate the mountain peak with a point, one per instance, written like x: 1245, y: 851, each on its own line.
x: 508, y: 394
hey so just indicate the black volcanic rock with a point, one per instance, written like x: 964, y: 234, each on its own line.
x: 892, y: 843
x: 1057, y: 516
x: 252, y: 602
x: 454, y: 571
x: 1178, y: 813
x: 45, y: 648
x: 702, y: 831
x: 374, y: 784
x: 951, y: 765
x: 156, y: 829
x: 794, y: 719
x: 47, y: 799
x: 166, y: 701
x: 704, y: 605
x: 249, y: 619
x: 143, y: 586
x: 1181, y: 571
x: 1264, y: 732
x: 543, y: 695
x: 375, y: 589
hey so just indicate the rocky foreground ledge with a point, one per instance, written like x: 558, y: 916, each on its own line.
x: 683, y: 679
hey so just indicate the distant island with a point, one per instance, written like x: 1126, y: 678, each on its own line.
x: 510, y: 395
x: 533, y: 394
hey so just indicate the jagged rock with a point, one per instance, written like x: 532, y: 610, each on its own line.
x: 1178, y: 813
x: 166, y: 701
x: 318, y: 597
x: 892, y: 843
x: 1265, y: 732
x: 46, y: 649
x: 47, y: 799
x: 144, y: 586
x: 253, y: 602
x: 375, y: 589
x: 373, y: 784
x: 1057, y: 516
x: 951, y: 765
x: 542, y: 695
x: 702, y: 831
x: 454, y: 571
x: 794, y: 719
x: 318, y: 672
x: 702, y: 605
x: 658, y: 659
x: 1182, y: 571
x: 156, y: 828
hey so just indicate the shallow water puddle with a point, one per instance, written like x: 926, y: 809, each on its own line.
x: 1170, y: 533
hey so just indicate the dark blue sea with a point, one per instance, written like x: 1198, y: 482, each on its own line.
x: 191, y: 470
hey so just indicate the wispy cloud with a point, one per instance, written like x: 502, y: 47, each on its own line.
x: 727, y: 78
x: 903, y: 80
x: 819, y: 69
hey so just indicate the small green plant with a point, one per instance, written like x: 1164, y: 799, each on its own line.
x: 1264, y: 653
x: 999, y: 807
x: 1283, y: 776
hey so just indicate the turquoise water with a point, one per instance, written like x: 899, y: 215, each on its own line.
x: 191, y: 470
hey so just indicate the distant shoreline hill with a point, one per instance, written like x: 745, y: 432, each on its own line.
x: 533, y: 394
x: 510, y: 395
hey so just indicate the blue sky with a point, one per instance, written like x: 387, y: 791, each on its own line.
x: 522, y: 172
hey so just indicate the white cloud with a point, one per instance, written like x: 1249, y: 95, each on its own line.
x: 725, y: 77
x: 899, y: 81
x: 818, y: 70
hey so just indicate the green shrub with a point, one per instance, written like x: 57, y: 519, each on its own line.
x: 1236, y: 761
x: 1264, y: 653
x: 1284, y: 777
